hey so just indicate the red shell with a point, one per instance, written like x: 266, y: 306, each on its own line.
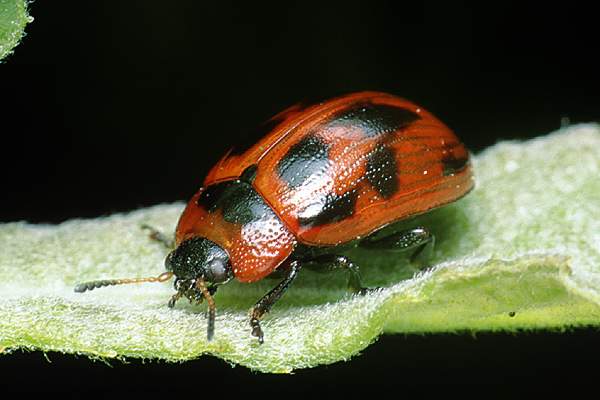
x: 341, y: 169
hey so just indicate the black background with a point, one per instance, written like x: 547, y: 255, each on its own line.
x: 116, y: 105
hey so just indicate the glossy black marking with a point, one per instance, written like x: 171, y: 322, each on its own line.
x: 452, y: 164
x: 249, y: 174
x: 308, y: 157
x: 382, y: 171
x: 210, y: 196
x: 374, y: 119
x: 237, y: 200
x: 331, y: 208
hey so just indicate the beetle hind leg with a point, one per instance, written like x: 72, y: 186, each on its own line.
x: 337, y: 262
x: 418, y: 239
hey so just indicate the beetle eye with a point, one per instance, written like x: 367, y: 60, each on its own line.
x: 168, y: 262
x: 217, y: 268
x: 218, y: 271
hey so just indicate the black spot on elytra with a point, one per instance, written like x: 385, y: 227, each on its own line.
x: 331, y: 208
x: 210, y: 196
x: 453, y: 164
x: 237, y: 200
x: 308, y: 157
x: 249, y: 174
x: 374, y: 119
x: 382, y: 171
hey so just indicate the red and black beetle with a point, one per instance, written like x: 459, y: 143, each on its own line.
x: 324, y: 177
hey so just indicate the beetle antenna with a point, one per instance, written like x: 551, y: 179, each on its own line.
x: 82, y: 287
x: 211, y: 308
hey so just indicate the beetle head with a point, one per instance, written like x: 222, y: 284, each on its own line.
x: 199, y: 265
x: 198, y: 259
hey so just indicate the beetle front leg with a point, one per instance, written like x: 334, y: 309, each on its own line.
x: 158, y: 236
x: 266, y: 302
x: 418, y: 238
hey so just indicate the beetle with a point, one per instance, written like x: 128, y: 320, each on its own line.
x: 325, y: 176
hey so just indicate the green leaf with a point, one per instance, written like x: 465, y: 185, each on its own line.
x: 13, y: 19
x: 520, y: 252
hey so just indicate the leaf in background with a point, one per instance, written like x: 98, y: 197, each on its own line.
x: 522, y: 251
x: 13, y: 19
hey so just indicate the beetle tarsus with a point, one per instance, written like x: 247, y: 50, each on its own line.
x: 174, y: 299
x: 257, y: 330
x: 364, y: 291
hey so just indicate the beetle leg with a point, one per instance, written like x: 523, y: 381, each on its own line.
x: 158, y: 236
x: 266, y: 302
x: 334, y: 261
x: 418, y: 238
